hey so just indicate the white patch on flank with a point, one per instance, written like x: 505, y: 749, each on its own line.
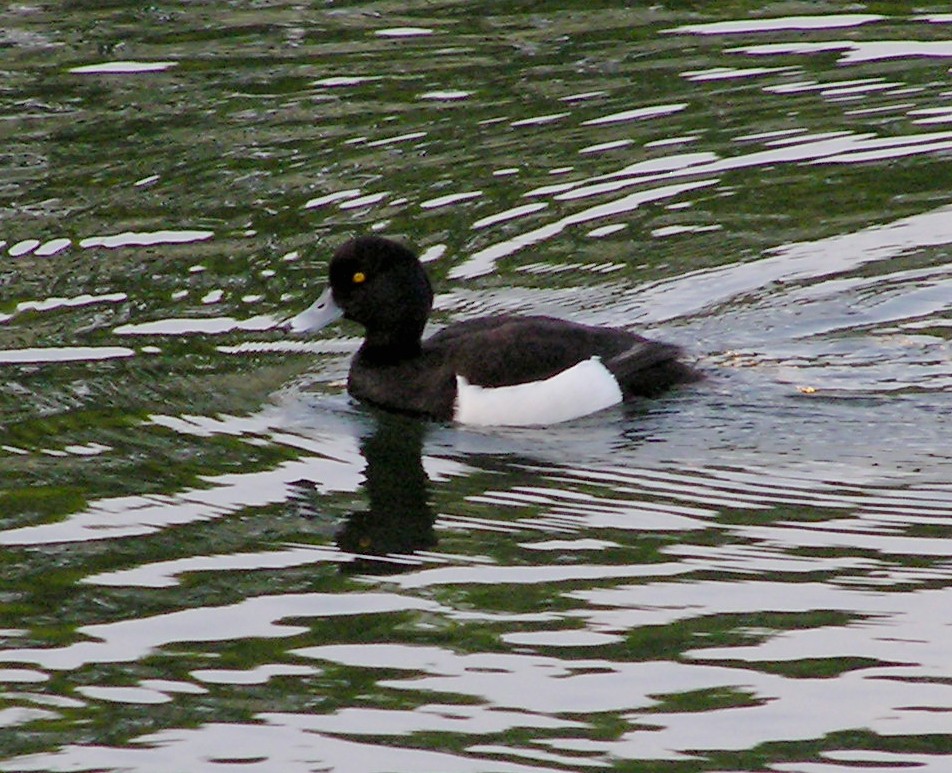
x: 578, y: 391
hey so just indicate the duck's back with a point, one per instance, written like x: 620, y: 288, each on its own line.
x: 505, y: 350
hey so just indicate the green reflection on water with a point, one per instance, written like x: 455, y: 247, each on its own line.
x: 239, y: 136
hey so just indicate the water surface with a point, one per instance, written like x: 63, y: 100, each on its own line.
x: 213, y: 560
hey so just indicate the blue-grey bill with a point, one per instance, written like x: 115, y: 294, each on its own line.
x: 319, y: 314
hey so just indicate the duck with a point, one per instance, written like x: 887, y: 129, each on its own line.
x: 503, y: 369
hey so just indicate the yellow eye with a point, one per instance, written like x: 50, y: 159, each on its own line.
x: 359, y: 278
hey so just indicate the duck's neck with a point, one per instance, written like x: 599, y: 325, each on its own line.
x: 386, y: 347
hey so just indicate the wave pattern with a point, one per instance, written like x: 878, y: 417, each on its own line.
x: 213, y: 560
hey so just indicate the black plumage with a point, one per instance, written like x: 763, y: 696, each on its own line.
x: 382, y: 285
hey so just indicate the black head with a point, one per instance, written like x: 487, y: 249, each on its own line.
x: 381, y: 284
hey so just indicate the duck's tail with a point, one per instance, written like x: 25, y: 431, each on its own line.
x: 649, y: 368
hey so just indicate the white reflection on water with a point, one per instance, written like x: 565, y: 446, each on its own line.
x: 779, y: 24
x: 396, y: 139
x: 706, y: 290
x: 23, y: 247
x: 870, y: 761
x: 854, y: 51
x: 130, y: 516
x: 53, y: 246
x: 283, y: 742
x: 603, y: 146
x: 21, y: 675
x: 197, y: 325
x: 12, y: 717
x: 52, y: 304
x: 458, y: 718
x: 509, y: 214
x: 331, y: 462
x: 451, y: 198
x: 49, y: 354
x: 145, y: 238
x: 259, y: 675
x: 136, y: 695
x: 539, y: 120
x: 530, y: 575
x: 330, y: 198
x: 890, y: 697
x: 165, y: 574
x: 403, y: 32
x: 122, y: 68
x: 934, y: 115
x: 448, y: 94
x: 538, y: 684
x: 567, y: 638
x: 257, y: 617
x: 728, y: 73
x: 344, y: 80
x: 483, y: 261
x: 636, y: 114
x: 841, y: 147
x: 363, y: 201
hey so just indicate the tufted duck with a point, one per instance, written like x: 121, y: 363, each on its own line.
x: 502, y: 369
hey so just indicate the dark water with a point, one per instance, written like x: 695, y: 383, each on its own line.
x: 212, y: 560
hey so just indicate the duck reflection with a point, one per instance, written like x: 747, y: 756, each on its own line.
x: 398, y: 518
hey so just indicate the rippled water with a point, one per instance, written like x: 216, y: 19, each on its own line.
x: 213, y: 560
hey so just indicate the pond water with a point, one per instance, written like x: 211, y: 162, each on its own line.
x: 212, y: 560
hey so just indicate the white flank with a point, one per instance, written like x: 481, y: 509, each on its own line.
x: 578, y: 391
